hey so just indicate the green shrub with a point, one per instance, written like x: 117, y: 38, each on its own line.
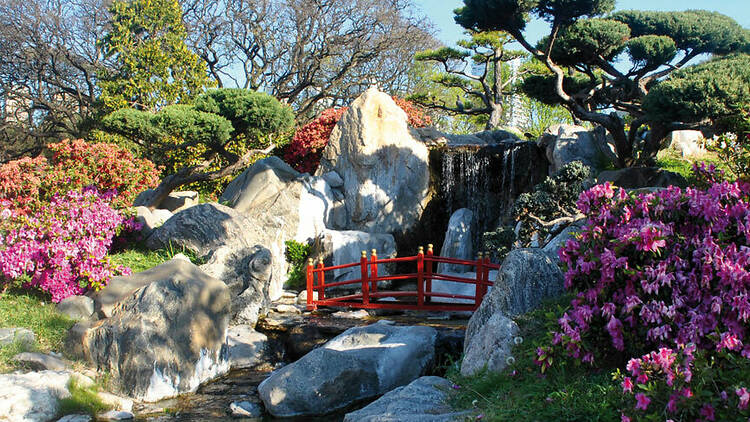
x: 296, y: 254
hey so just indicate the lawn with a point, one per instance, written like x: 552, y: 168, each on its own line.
x: 566, y: 392
x: 38, y: 314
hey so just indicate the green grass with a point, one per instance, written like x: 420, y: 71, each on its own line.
x: 566, y: 392
x: 82, y: 400
x: 38, y: 314
x: 671, y: 160
x: 139, y: 258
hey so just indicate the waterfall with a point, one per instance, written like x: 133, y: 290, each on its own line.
x: 487, y: 180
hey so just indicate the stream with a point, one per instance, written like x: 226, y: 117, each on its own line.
x: 211, y: 401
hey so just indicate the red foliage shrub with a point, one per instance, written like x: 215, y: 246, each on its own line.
x: 303, y: 153
x: 76, y: 164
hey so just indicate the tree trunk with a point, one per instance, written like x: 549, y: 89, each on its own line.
x: 653, y: 144
x: 496, y: 117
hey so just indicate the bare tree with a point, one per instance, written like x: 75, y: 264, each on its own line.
x: 49, y: 58
x: 308, y: 52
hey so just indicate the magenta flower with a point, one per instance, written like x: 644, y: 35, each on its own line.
x: 642, y: 401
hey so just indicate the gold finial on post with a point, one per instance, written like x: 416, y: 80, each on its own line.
x: 309, y: 261
x: 480, y: 256
x: 364, y: 254
x: 421, y: 249
x: 320, y: 260
x: 374, y: 252
x: 429, y: 247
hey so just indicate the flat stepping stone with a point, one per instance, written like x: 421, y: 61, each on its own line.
x: 41, y: 361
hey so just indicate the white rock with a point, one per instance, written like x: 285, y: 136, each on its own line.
x: 116, y: 415
x: 33, y: 396
x: 247, y: 347
x: 457, y: 243
x: 246, y: 409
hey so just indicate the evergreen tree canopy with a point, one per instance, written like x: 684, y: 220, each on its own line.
x: 153, y: 65
x: 207, y: 141
x: 582, y: 52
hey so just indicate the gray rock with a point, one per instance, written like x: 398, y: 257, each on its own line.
x: 641, y: 177
x: 280, y: 204
x: 246, y: 409
x: 167, y: 337
x: 247, y: 347
x: 525, y: 279
x: 229, y: 241
x: 121, y: 287
x: 40, y: 361
x: 496, y: 136
x: 423, y: 400
x: 360, y: 363
x: 178, y: 201
x: 458, y: 238
x: 76, y: 307
x: 201, y: 229
x: 34, y: 396
x: 567, y: 143
x: 490, y: 346
x: 302, y: 297
x: 333, y: 179
x: 75, y: 418
x: 151, y: 219
x: 116, y: 415
x: 17, y: 334
x: 247, y: 271
x: 344, y: 247
x: 689, y: 143
x: 558, y: 242
x: 384, y: 168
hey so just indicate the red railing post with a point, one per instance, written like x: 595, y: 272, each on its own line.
x: 428, y: 276
x: 420, y: 277
x: 310, y: 279
x: 321, y: 281
x: 374, y: 271
x: 480, y: 276
x: 365, y: 279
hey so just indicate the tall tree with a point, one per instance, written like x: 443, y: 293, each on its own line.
x: 477, y: 70
x: 308, y: 53
x: 153, y: 67
x: 582, y: 49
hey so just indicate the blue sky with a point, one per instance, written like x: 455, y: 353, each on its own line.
x: 441, y: 13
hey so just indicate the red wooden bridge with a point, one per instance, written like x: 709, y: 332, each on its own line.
x: 424, y: 298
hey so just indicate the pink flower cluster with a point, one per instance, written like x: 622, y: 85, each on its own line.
x: 686, y: 384
x: 659, y: 269
x: 61, y: 248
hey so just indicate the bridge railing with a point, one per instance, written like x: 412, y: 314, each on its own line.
x: 372, y: 297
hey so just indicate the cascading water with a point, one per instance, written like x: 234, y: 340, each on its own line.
x: 487, y: 179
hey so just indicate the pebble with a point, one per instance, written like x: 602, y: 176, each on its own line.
x: 246, y: 409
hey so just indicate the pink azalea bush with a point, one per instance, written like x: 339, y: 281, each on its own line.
x: 664, y: 276
x: 61, y: 247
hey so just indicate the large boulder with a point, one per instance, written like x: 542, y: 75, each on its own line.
x: 281, y: 204
x: 640, y: 177
x: 344, y: 247
x: 230, y: 242
x: 458, y: 239
x: 247, y: 271
x: 384, y: 168
x: 425, y: 399
x: 526, y: 278
x: 360, y: 363
x: 689, y: 143
x: 567, y: 143
x: 165, y: 338
x: 35, y: 396
x: 458, y: 288
x: 490, y: 347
